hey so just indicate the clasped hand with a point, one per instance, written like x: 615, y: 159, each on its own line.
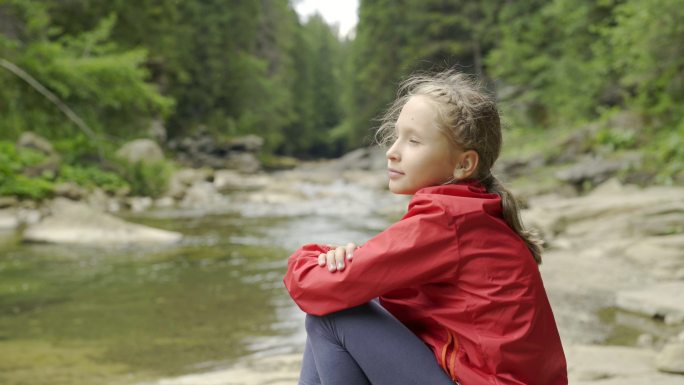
x: 335, y: 258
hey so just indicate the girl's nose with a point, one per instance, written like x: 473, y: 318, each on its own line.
x: 392, y: 153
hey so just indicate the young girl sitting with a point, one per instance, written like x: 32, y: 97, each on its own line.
x: 461, y: 299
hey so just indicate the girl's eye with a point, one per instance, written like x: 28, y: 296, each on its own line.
x: 414, y: 141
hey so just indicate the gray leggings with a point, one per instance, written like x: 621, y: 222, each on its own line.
x: 366, y: 345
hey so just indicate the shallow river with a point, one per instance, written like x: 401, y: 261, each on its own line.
x: 78, y: 315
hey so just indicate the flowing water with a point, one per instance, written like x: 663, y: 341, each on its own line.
x: 88, y: 315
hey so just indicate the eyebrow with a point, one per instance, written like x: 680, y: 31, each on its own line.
x: 406, y: 130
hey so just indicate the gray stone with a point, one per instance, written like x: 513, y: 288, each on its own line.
x: 76, y: 223
x: 249, y: 143
x: 36, y: 142
x: 8, y: 201
x: 8, y: 220
x: 141, y: 150
x: 139, y: 204
x: 658, y: 300
x: 70, y: 190
x: 592, y: 364
x: 200, y: 195
x: 671, y: 359
x: 244, y: 162
x: 231, y: 180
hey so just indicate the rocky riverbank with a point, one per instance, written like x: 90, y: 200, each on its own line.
x: 614, y: 265
x: 614, y: 271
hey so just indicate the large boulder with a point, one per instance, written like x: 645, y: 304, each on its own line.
x: 671, y: 358
x: 141, y: 150
x: 76, y: 223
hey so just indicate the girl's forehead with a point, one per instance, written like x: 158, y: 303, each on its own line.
x: 417, y: 116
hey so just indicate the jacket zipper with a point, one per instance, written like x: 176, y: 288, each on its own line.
x: 451, y: 366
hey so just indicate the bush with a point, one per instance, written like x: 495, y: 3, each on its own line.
x: 147, y: 179
x: 12, y: 161
x: 90, y: 177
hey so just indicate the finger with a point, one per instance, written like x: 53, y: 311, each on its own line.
x: 340, y: 252
x: 350, y: 250
x: 321, y: 260
x: 330, y: 259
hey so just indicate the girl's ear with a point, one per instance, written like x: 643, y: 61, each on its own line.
x: 466, y: 165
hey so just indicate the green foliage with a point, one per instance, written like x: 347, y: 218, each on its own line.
x: 91, y: 177
x: 103, y: 84
x: 239, y: 68
x: 146, y: 179
x: 668, y: 151
x: 648, y: 54
x: 12, y: 162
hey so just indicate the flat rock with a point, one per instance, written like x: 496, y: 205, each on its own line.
x: 613, y: 365
x: 8, y: 220
x: 671, y: 358
x: 76, y: 223
x: 658, y: 300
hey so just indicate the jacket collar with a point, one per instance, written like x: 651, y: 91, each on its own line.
x: 465, y: 188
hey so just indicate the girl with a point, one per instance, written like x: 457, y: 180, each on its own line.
x: 461, y: 299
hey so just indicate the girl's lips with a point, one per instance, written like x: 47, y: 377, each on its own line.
x: 394, y: 173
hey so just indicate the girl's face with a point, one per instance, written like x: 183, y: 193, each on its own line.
x: 421, y: 156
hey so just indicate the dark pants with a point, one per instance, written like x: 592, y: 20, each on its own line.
x: 366, y: 345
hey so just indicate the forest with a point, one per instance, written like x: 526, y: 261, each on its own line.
x: 89, y: 75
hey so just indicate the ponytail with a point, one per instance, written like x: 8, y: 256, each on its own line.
x: 511, y: 215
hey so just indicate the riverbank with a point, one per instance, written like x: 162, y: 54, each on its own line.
x: 613, y: 268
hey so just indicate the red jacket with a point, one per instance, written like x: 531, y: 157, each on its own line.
x: 459, y: 277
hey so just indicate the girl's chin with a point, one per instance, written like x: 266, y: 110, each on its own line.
x: 400, y: 190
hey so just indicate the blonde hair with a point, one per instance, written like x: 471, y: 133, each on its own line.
x: 469, y: 118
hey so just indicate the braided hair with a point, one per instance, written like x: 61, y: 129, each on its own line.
x: 467, y: 115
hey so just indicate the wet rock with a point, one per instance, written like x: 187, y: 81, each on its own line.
x: 244, y: 162
x: 77, y: 223
x: 182, y: 179
x: 202, y: 194
x: 139, y: 204
x: 231, y: 180
x: 671, y: 358
x: 659, y: 300
x: 141, y: 150
x: 8, y: 220
x: 100, y: 201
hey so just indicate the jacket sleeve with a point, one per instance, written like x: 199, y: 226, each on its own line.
x: 420, y: 248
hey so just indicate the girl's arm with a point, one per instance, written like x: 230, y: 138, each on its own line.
x: 420, y: 248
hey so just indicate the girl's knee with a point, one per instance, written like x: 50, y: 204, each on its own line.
x: 312, y: 323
